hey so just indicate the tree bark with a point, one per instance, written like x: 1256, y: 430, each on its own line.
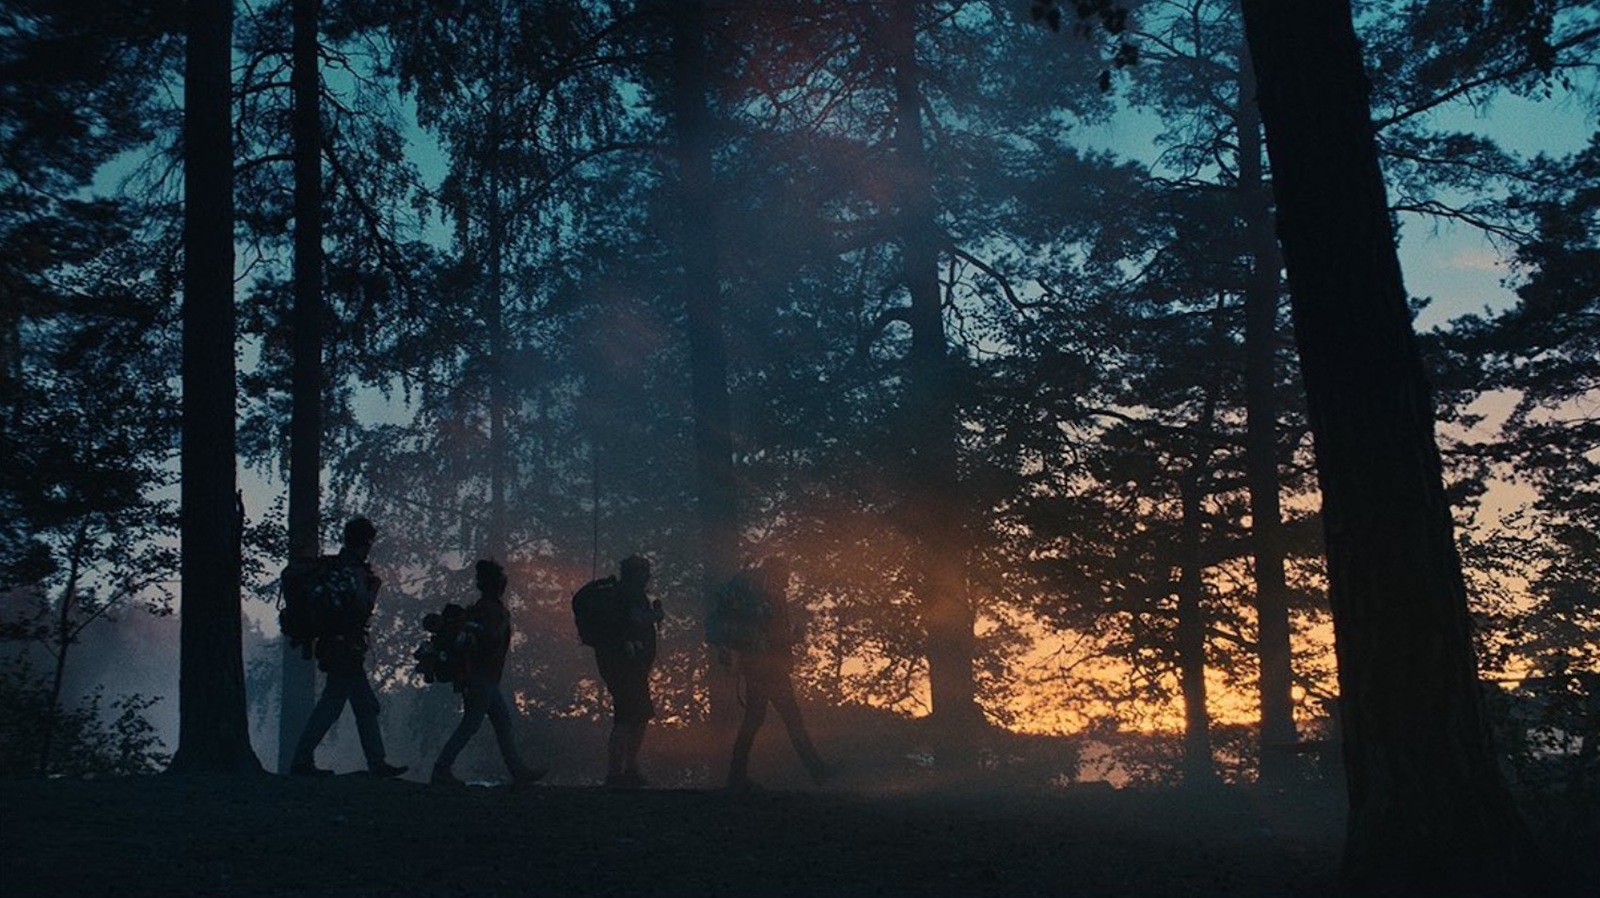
x: 213, y: 734
x: 933, y: 506
x: 1429, y: 810
x: 1198, y: 768
x: 702, y: 296
x: 299, y: 683
x: 497, y: 539
x: 1277, y: 731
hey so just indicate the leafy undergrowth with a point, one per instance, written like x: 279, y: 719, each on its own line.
x: 356, y: 836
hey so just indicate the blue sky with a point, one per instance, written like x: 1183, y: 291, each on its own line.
x: 1455, y: 265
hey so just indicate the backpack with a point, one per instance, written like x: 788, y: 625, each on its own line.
x: 315, y: 596
x: 737, y: 618
x: 446, y: 657
x: 597, y: 610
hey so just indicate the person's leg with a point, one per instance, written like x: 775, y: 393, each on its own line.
x: 335, y: 692
x: 617, y: 740
x: 364, y: 704
x: 630, y: 761
x: 629, y: 687
x: 617, y: 747
x: 474, y: 704
x: 641, y: 710
x: 788, y: 708
x: 755, y: 714
x: 501, y: 720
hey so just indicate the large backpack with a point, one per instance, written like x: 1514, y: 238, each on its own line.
x: 738, y: 616
x: 316, y: 595
x: 598, y: 612
x: 446, y: 657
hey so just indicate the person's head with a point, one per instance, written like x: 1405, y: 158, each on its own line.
x: 490, y: 577
x: 635, y: 569
x: 359, y: 535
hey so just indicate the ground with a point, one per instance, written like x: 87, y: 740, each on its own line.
x: 357, y: 836
x: 354, y: 835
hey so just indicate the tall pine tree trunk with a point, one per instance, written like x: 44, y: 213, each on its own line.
x: 1277, y: 730
x: 496, y: 543
x: 1198, y: 768
x: 702, y: 293
x: 213, y: 734
x: 1429, y: 809
x: 933, y: 507
x: 299, y: 684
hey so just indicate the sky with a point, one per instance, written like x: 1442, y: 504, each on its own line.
x: 1456, y: 266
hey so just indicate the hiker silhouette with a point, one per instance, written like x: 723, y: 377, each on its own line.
x: 765, y: 666
x: 624, y: 655
x: 342, y: 653
x: 488, y: 637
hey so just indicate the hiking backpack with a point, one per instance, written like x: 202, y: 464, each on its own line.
x: 446, y: 657
x: 737, y: 618
x: 597, y: 610
x: 315, y: 595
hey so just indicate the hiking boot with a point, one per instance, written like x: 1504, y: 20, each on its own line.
x: 386, y: 770
x: 443, y: 777
x: 625, y: 781
x: 307, y: 768
x: 743, y: 784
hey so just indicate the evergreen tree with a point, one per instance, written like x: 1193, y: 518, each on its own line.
x: 86, y: 420
x: 1540, y: 356
x: 212, y: 734
x: 1428, y: 805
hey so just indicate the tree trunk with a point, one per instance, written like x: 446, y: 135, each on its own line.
x: 299, y: 684
x: 64, y: 638
x: 498, y: 537
x: 933, y: 505
x: 1277, y: 730
x: 1429, y: 809
x: 213, y: 734
x: 1198, y: 768
x: 708, y: 375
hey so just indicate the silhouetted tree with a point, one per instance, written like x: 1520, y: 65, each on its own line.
x: 1194, y: 70
x: 1428, y: 806
x: 212, y: 731
x: 933, y: 509
x: 298, y: 685
x: 86, y: 417
x: 1540, y: 357
x: 319, y: 178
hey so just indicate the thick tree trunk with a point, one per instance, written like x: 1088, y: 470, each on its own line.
x: 212, y: 730
x: 702, y: 293
x: 1277, y: 731
x: 1429, y: 810
x: 299, y: 683
x: 933, y: 505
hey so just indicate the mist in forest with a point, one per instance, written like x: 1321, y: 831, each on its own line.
x: 1093, y: 374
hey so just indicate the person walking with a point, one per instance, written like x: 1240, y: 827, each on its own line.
x: 488, y: 637
x: 765, y: 664
x: 625, y: 656
x: 341, y: 653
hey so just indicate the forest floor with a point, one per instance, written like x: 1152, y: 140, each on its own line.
x: 355, y: 835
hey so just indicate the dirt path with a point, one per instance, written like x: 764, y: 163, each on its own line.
x: 352, y: 835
